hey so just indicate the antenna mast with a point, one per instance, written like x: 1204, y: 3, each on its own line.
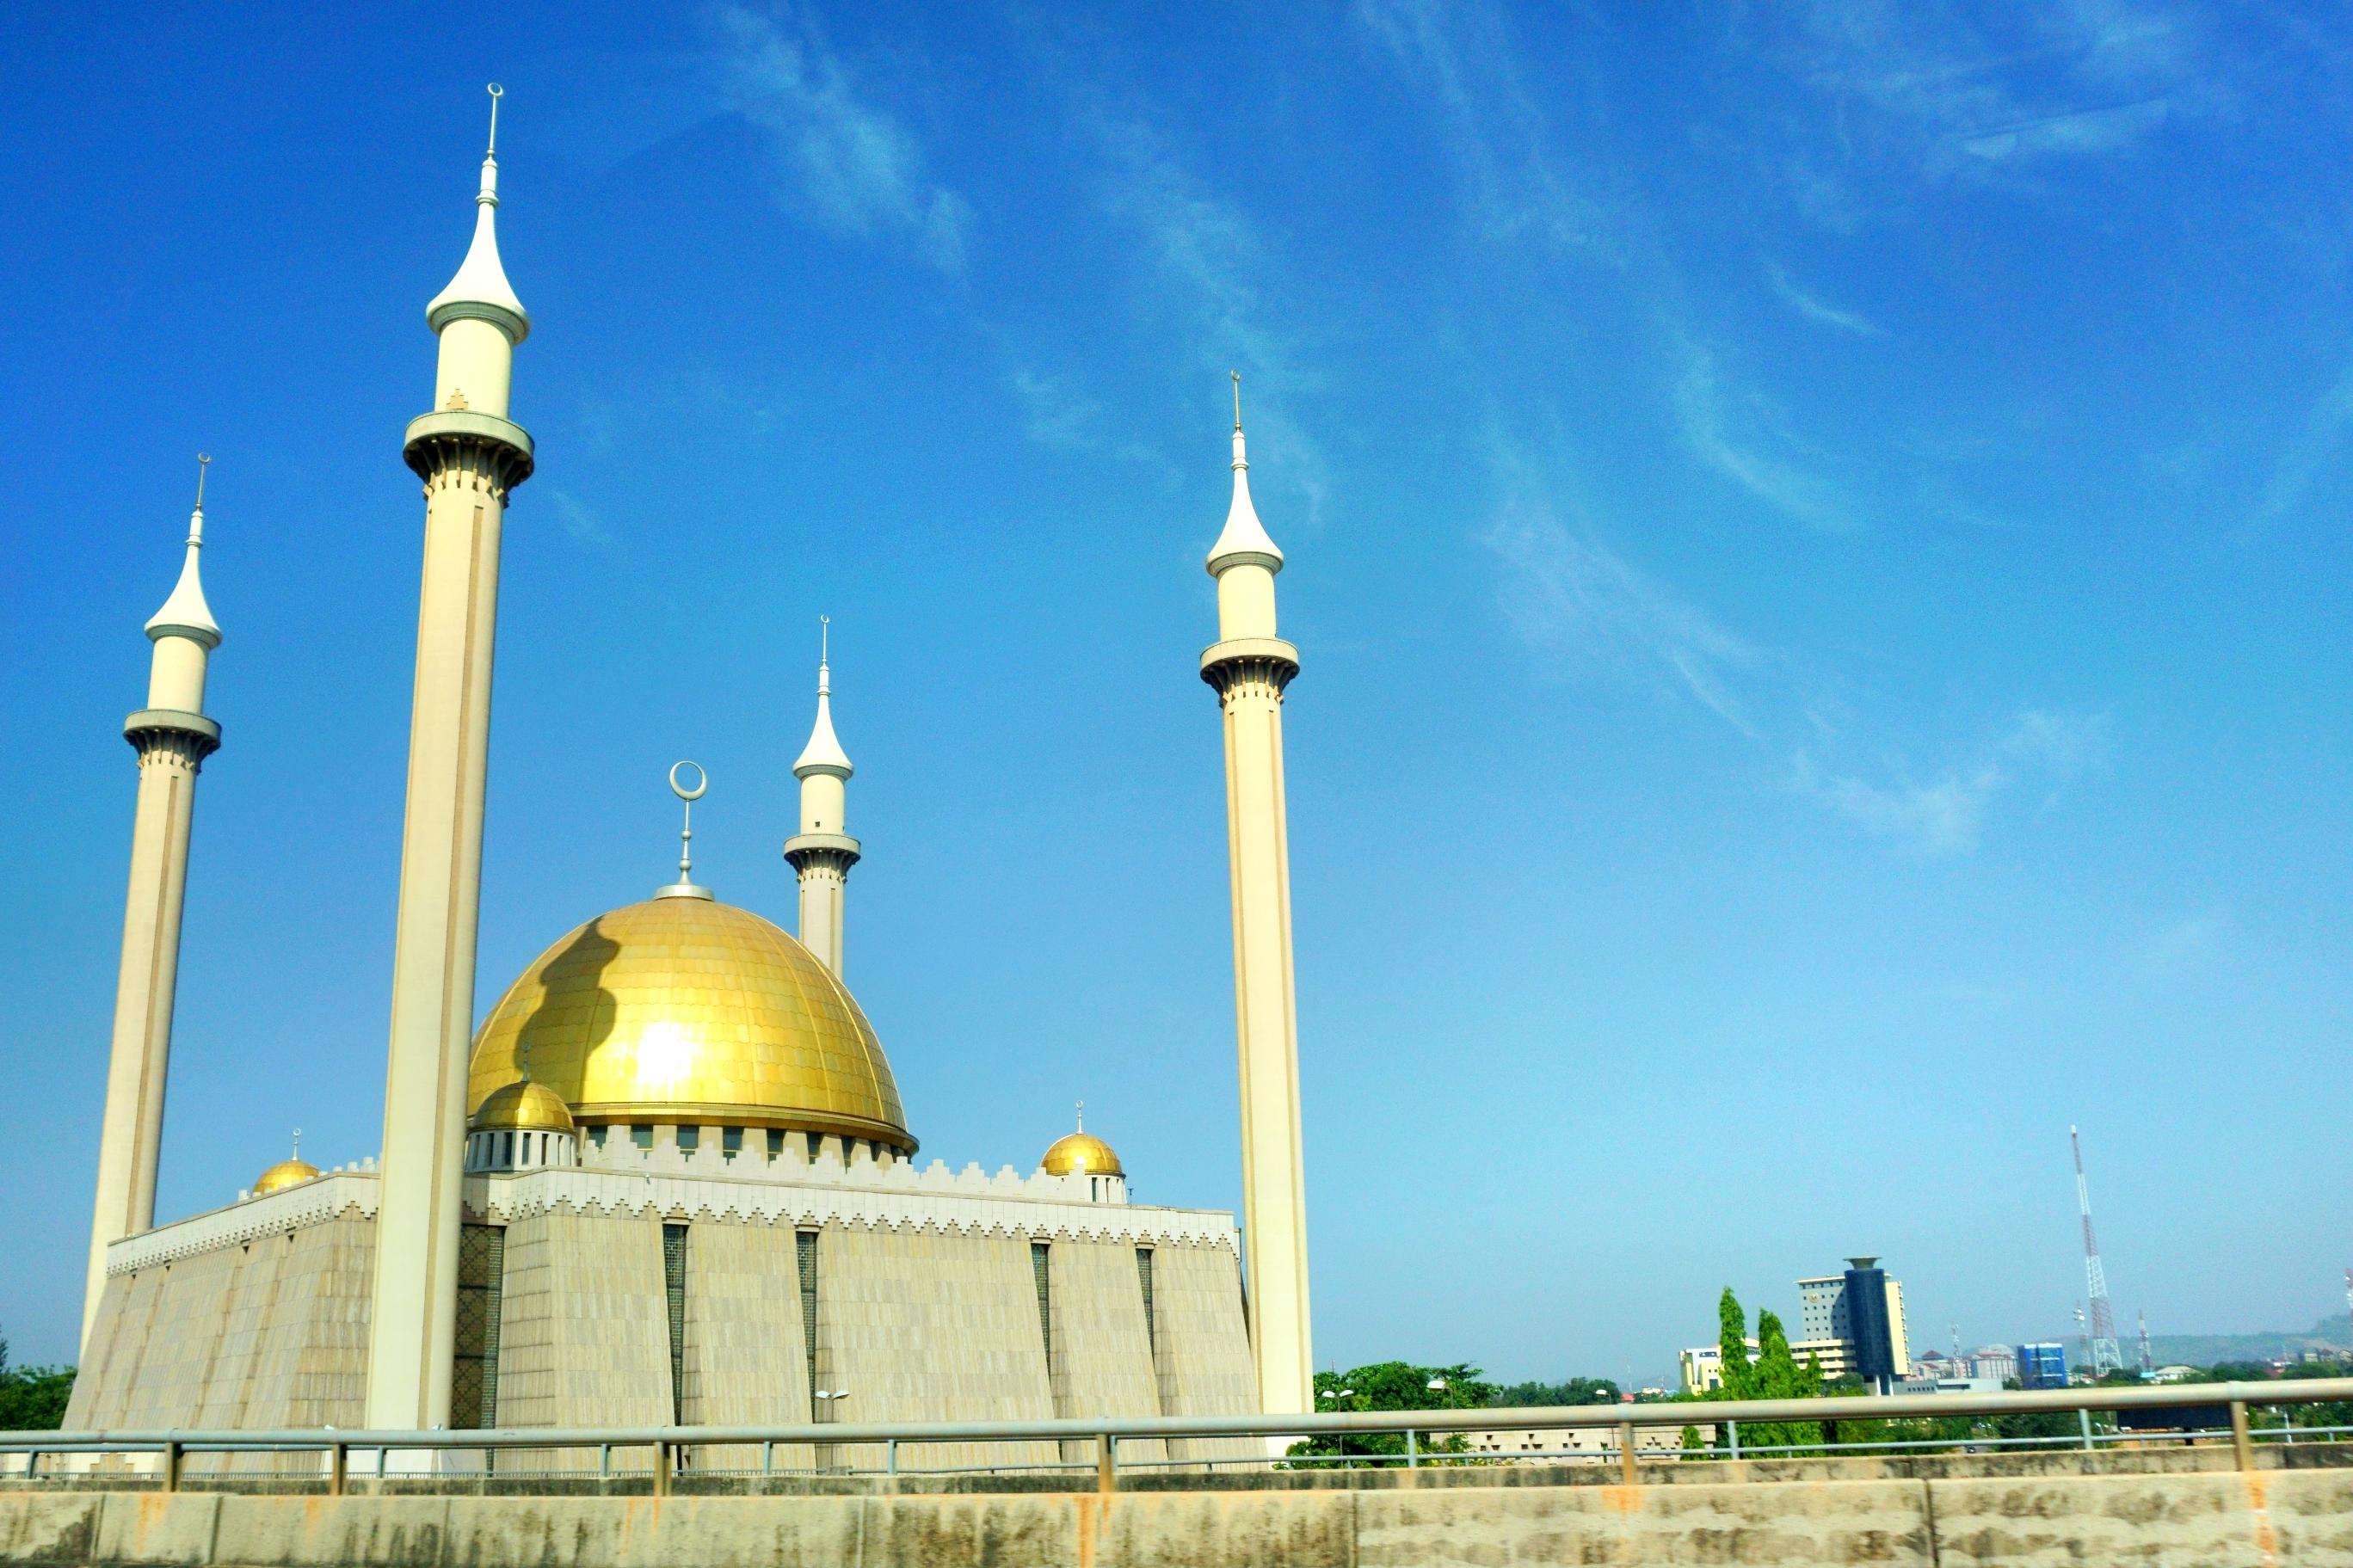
x: 2107, y: 1356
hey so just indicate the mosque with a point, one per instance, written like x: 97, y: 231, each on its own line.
x: 669, y: 1180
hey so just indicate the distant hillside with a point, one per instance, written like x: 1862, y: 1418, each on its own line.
x: 2333, y: 1333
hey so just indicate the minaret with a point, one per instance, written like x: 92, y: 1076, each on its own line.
x: 821, y: 852
x: 469, y: 456
x: 173, y: 738
x: 1249, y: 667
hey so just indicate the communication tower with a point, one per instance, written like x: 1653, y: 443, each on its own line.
x: 2107, y: 1356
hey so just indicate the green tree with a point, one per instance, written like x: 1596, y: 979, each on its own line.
x: 32, y: 1398
x: 1732, y: 1347
x: 1778, y: 1375
x: 1575, y: 1391
x: 1395, y: 1385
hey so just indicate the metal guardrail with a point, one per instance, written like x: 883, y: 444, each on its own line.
x: 666, y: 1443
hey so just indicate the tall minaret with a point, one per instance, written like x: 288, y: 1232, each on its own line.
x: 1249, y: 667
x: 469, y: 456
x: 821, y: 854
x: 173, y: 738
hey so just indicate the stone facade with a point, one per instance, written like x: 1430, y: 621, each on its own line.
x: 656, y: 1285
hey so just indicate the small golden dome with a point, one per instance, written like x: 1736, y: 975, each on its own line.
x: 283, y: 1174
x: 1081, y: 1153
x: 524, y: 1107
x: 691, y: 1011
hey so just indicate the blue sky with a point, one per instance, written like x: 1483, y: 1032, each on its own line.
x: 1817, y: 535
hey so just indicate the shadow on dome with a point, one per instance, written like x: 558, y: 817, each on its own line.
x: 587, y: 955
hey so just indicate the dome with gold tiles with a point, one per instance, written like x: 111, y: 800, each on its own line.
x: 284, y: 1175
x: 686, y: 1011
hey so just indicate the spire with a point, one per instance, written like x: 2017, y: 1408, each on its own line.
x: 823, y: 754
x: 480, y: 287
x: 186, y: 613
x: 685, y: 888
x: 1245, y: 541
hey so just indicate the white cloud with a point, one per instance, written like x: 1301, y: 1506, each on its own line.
x: 1054, y: 411
x: 1567, y: 589
x: 579, y: 518
x: 845, y: 163
x: 1724, y: 442
x: 2321, y: 440
x: 1813, y: 309
x: 1212, y: 277
x: 1920, y: 90
x: 1945, y: 813
x: 1494, y: 128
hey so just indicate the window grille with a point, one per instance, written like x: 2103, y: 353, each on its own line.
x: 1040, y: 1265
x: 1144, y: 1277
x: 674, y: 1286
x: 807, y: 1240
x: 474, y: 1370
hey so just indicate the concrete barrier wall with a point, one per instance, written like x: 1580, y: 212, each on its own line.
x: 2275, y: 1519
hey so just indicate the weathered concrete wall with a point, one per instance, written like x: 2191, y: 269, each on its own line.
x: 2275, y: 1519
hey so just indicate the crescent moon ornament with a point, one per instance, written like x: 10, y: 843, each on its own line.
x: 701, y: 781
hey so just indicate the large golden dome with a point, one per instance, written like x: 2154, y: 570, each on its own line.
x: 688, y: 1010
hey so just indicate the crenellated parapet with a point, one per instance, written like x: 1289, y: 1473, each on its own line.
x: 898, y: 1199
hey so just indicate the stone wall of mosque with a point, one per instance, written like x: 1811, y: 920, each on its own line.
x: 260, y: 1331
x: 661, y: 1285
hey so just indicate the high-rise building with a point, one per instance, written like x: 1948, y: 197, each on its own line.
x: 2042, y: 1365
x: 1855, y: 1323
x: 1997, y: 1361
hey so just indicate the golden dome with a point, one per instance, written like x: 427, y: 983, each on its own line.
x: 1081, y: 1153
x: 525, y: 1107
x: 689, y: 1011
x: 283, y: 1174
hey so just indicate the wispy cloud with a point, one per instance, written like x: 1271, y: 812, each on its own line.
x: 842, y: 160
x: 2187, y: 944
x: 580, y: 520
x: 1565, y: 589
x: 1211, y: 277
x: 1945, y: 814
x: 1494, y: 128
x: 2321, y: 439
x: 1726, y: 439
x: 1813, y: 309
x: 1054, y: 411
x: 1916, y: 91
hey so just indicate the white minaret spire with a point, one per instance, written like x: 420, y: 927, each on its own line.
x: 1249, y: 667
x: 471, y: 456
x: 173, y: 738
x: 822, y: 852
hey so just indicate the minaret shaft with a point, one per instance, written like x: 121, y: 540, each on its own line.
x: 1274, y: 1185
x: 130, y: 1141
x: 413, y: 1328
